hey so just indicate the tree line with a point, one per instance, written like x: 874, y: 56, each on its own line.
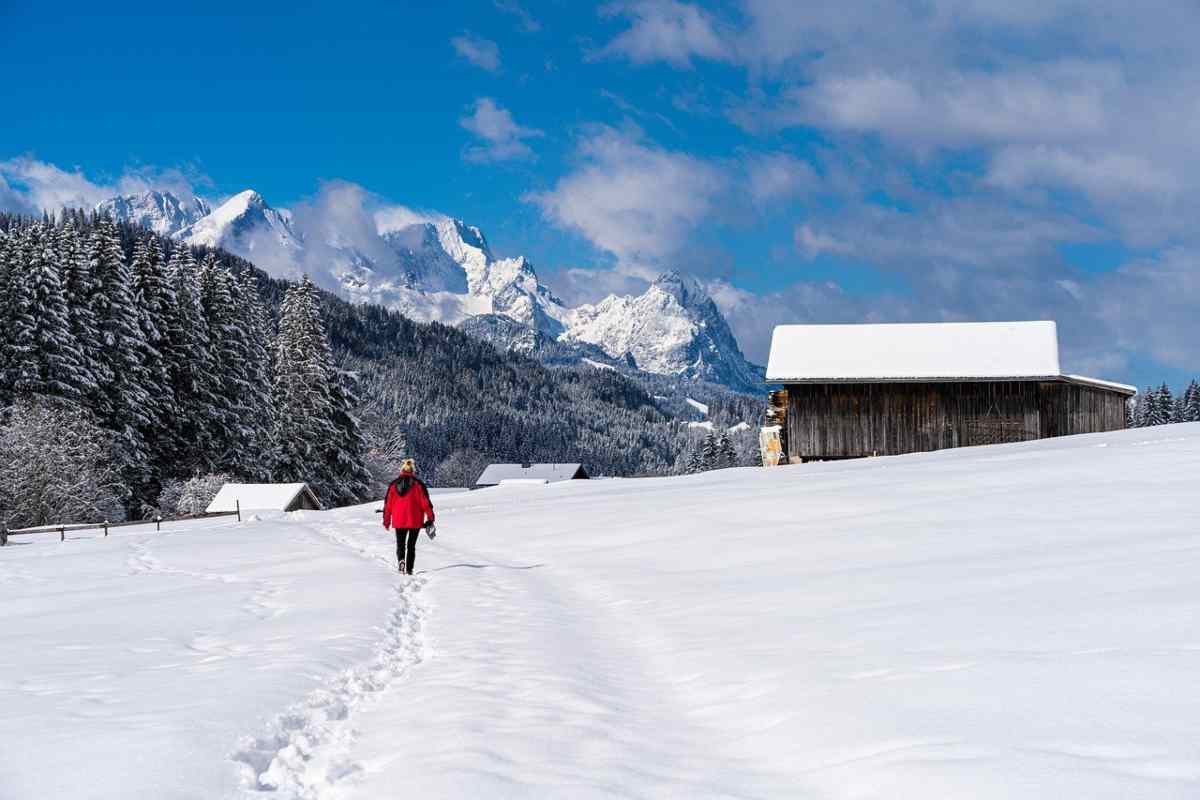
x: 1161, y: 407
x: 184, y: 363
x: 168, y: 367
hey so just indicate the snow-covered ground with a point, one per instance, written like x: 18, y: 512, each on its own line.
x: 1011, y: 621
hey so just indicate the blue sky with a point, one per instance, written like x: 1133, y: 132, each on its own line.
x: 810, y: 161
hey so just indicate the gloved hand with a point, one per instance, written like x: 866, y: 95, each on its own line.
x: 431, y: 529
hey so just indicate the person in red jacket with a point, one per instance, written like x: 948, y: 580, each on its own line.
x: 407, y: 509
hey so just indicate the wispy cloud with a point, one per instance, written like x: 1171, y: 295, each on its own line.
x: 28, y: 185
x: 665, y: 30
x: 483, y: 53
x: 631, y: 198
x: 525, y: 21
x: 501, y: 138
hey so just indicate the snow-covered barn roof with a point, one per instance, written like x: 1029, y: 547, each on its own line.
x: 260, y: 497
x: 549, y: 473
x: 955, y: 351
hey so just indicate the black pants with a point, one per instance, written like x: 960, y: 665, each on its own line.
x: 406, y: 547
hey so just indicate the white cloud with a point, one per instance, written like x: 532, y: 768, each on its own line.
x: 525, y: 20
x: 773, y: 177
x: 393, y: 218
x: 666, y: 30
x: 45, y: 186
x: 1103, y: 175
x: 503, y: 139
x: 812, y: 243
x: 483, y: 53
x: 31, y: 186
x: 1063, y: 102
x: 633, y: 199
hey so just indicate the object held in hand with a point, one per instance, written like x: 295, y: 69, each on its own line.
x: 431, y: 529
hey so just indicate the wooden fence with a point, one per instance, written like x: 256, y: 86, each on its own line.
x: 61, y: 530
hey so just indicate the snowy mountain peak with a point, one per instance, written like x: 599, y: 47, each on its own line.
x: 685, y: 289
x: 243, y: 224
x: 437, y: 268
x: 673, y: 328
x: 162, y: 212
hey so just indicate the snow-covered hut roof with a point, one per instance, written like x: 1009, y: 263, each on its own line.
x: 263, y: 497
x: 913, y: 351
x: 936, y: 351
x: 548, y: 473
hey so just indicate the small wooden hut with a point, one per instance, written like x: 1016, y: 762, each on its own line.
x: 851, y: 391
x: 265, y: 497
x: 496, y: 474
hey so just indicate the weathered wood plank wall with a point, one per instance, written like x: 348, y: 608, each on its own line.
x: 852, y: 420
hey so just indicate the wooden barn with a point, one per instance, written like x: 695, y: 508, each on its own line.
x: 851, y: 391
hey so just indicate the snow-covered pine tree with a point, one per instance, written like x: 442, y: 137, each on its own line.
x: 5, y: 273
x: 695, y: 462
x: 1144, y: 402
x: 1162, y: 407
x: 710, y: 455
x: 81, y: 291
x: 52, y: 364
x: 304, y: 430
x: 152, y: 301
x: 190, y: 363
x: 20, y: 327
x: 228, y: 353
x: 253, y: 318
x: 347, y: 463
x: 124, y: 400
x: 389, y: 454
x: 726, y: 454
x: 1191, y: 403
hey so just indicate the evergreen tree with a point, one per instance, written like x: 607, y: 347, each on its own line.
x: 726, y: 455
x: 6, y: 260
x: 81, y: 292
x: 257, y: 425
x: 710, y: 456
x: 152, y: 301
x: 189, y: 360
x: 304, y: 428
x: 228, y: 354
x: 695, y: 461
x: 51, y: 366
x: 1161, y: 407
x: 346, y: 458
x: 124, y: 401
x: 1191, y: 403
x: 20, y: 328
x: 1144, y: 405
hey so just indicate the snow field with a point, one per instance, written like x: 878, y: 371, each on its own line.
x: 1010, y: 621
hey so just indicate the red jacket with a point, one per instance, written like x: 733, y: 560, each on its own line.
x: 409, y: 510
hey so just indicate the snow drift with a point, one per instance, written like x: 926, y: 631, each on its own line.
x: 994, y: 622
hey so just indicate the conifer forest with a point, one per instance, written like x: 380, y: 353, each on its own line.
x: 132, y: 365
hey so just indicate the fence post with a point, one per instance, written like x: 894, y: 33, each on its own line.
x: 62, y: 533
x: 4, y: 535
x: 105, y: 529
x: 158, y: 523
x: 238, y: 506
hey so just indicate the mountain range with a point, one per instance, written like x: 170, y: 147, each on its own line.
x: 437, y: 268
